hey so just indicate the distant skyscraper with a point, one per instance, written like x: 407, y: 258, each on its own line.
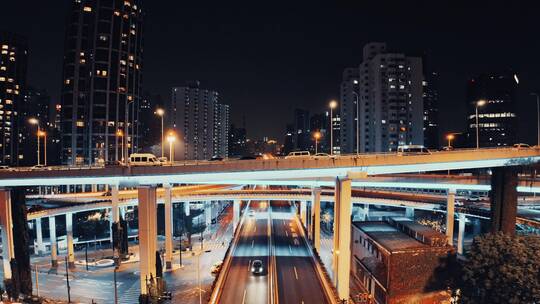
x: 497, y: 119
x: 36, y: 104
x: 199, y: 117
x: 102, y: 76
x: 321, y: 123
x: 290, y: 138
x: 149, y: 124
x: 237, y: 141
x: 348, y: 109
x: 431, y: 110
x: 302, y: 131
x: 13, y: 63
x: 391, y: 103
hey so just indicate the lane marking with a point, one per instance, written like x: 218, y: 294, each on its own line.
x: 252, y: 243
x: 290, y: 249
x: 249, y: 265
x: 244, y: 297
x: 295, y: 272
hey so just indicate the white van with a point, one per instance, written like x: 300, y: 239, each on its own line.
x: 412, y: 150
x: 298, y: 154
x: 144, y: 159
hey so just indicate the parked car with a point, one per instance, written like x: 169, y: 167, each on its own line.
x: 257, y: 267
x: 298, y: 154
x: 216, y: 267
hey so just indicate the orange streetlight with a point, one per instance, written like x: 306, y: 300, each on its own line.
x: 317, y: 136
x: 171, y: 138
x: 479, y: 103
x: 44, y: 135
x: 120, y: 133
x: 35, y: 121
x: 450, y: 137
x: 161, y: 113
x: 333, y: 104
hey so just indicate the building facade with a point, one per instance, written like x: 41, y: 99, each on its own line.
x: 237, y: 141
x: 349, y: 110
x: 36, y: 104
x: 431, y: 110
x: 102, y: 78
x: 13, y: 65
x: 494, y: 95
x: 201, y: 121
x: 399, y: 261
x: 391, y: 101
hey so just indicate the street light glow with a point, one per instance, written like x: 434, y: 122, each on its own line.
x: 333, y: 104
x: 317, y: 135
x: 450, y: 136
x: 481, y: 102
x: 33, y: 121
x: 160, y: 112
x: 171, y: 137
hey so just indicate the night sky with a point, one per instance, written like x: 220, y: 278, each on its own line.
x: 266, y: 58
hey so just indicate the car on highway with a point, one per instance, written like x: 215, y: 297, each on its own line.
x: 251, y: 213
x: 323, y: 155
x: 521, y: 146
x: 412, y: 150
x: 39, y: 167
x: 162, y: 160
x: 6, y: 168
x: 447, y: 148
x: 248, y: 157
x: 298, y: 154
x: 214, y: 270
x: 144, y: 159
x: 257, y: 267
x: 216, y: 158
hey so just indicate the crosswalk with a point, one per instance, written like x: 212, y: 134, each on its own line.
x: 131, y: 295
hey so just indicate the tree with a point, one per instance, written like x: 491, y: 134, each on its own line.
x: 502, y: 269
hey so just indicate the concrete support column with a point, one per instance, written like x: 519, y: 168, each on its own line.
x: 115, y: 216
x: 342, y: 237
x: 94, y: 188
x: 503, y: 197
x: 450, y: 202
x: 236, y: 213
x: 39, y: 238
x: 461, y: 232
x: 52, y: 237
x: 69, y: 239
x: 147, y: 235
x: 316, y: 214
x: 168, y: 226
x: 6, y: 224
x: 409, y: 212
x: 303, y: 212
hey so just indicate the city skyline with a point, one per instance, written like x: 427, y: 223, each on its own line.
x: 312, y: 49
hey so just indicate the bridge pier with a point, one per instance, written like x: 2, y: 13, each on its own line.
x: 409, y: 212
x: 342, y: 237
x: 69, y: 240
x: 39, y: 238
x: 94, y: 188
x: 52, y: 238
x: 450, y: 202
x: 147, y: 236
x: 115, y: 217
x: 236, y: 213
x: 168, y: 226
x: 186, y: 208
x: 461, y: 232
x: 6, y: 223
x: 303, y: 212
x: 316, y: 214
x: 503, y: 196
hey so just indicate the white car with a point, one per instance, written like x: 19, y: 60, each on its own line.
x: 298, y: 154
x: 323, y: 155
x: 521, y: 146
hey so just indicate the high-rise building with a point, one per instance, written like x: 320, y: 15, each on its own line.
x: 349, y: 109
x: 200, y: 120
x: 391, y: 101
x: 149, y: 126
x: 320, y: 123
x: 36, y: 104
x: 102, y: 76
x: 237, y: 141
x: 431, y: 110
x: 13, y: 64
x: 302, y: 131
x: 494, y: 96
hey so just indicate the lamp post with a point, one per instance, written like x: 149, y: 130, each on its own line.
x: 537, y: 117
x: 317, y: 136
x: 332, y: 105
x: 35, y: 121
x: 479, y: 103
x: 357, y: 119
x: 160, y: 112
x: 171, y: 138
x: 44, y: 134
x: 119, y: 133
x: 450, y: 137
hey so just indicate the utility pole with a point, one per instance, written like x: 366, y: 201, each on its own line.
x: 115, y: 287
x: 67, y: 281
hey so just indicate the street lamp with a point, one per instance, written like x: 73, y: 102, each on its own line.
x: 357, y: 121
x: 160, y: 112
x: 171, y: 138
x: 479, y: 103
x: 450, y: 137
x: 120, y: 133
x: 537, y: 116
x: 332, y: 105
x: 35, y: 121
x: 317, y: 136
x: 44, y: 135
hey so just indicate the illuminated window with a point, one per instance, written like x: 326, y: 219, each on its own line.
x: 130, y: 98
x: 9, y: 101
x: 2, y: 68
x: 4, y: 52
x: 11, y: 58
x: 10, y: 80
x: 83, y: 61
x: 116, y: 13
x: 122, y: 89
x: 131, y: 57
x: 68, y: 81
x: 16, y: 92
x: 5, y: 46
x: 101, y: 73
x: 123, y: 62
x: 2, y: 78
x: 87, y: 9
x: 80, y: 123
x: 9, y: 91
x: 103, y: 38
x: 127, y: 3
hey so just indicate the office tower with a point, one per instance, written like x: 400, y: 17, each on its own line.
x: 199, y: 119
x: 149, y: 126
x: 13, y: 64
x: 237, y: 141
x: 102, y: 77
x: 349, y: 109
x: 431, y: 110
x: 35, y: 104
x: 290, y: 138
x: 494, y: 95
x: 391, y: 103
x: 302, y: 132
